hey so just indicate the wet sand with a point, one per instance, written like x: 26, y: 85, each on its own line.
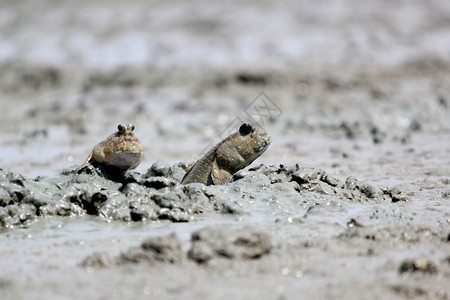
x: 351, y: 199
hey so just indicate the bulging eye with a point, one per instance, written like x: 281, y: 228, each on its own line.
x: 246, y: 129
x: 120, y: 127
x: 132, y: 127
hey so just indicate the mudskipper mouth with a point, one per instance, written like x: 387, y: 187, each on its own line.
x: 264, y: 145
x: 127, y: 151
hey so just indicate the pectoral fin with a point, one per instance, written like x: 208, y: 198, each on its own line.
x: 89, y: 160
x: 218, y: 175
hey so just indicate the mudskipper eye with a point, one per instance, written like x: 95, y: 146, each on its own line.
x: 246, y: 129
x: 120, y: 127
x: 132, y: 127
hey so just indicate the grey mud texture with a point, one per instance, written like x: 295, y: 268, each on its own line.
x: 157, y: 194
x: 350, y: 201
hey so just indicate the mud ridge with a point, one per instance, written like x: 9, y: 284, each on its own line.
x: 157, y: 195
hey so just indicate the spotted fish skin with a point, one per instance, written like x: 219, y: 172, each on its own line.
x: 121, y: 150
x: 234, y: 153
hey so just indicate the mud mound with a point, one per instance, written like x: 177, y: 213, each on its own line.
x: 157, y: 194
x: 210, y: 243
x: 206, y: 245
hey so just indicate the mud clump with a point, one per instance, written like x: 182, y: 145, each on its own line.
x: 315, y: 180
x: 158, y: 195
x: 206, y: 244
x: 165, y: 249
x: 418, y: 265
x: 18, y: 77
x: 96, y: 260
x: 388, y: 234
x: 210, y: 243
x: 13, y: 215
x: 409, y: 291
x: 396, y: 195
x: 121, y: 77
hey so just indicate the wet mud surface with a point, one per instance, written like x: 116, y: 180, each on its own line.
x: 350, y: 200
x: 135, y: 197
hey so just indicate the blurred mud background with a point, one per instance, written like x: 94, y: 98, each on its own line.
x: 363, y: 90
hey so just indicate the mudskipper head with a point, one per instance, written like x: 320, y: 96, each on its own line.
x: 124, y: 139
x: 243, y: 147
x: 252, y: 141
x: 121, y: 151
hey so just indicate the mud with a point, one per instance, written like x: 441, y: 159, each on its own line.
x: 207, y: 246
x: 140, y: 197
x: 351, y: 199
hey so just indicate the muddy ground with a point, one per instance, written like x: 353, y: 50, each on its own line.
x: 351, y: 199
